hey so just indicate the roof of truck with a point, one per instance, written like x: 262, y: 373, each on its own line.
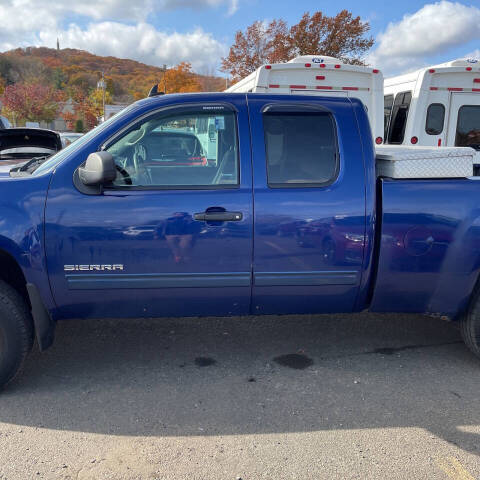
x: 225, y: 96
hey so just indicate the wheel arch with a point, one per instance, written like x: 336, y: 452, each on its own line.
x: 12, y: 273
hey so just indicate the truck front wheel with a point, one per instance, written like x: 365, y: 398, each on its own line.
x: 16, y: 333
x: 470, y: 327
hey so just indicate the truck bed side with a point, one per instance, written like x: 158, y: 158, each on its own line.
x: 429, y: 253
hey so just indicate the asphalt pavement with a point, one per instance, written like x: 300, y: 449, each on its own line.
x: 310, y: 397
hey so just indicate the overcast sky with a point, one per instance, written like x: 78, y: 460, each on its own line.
x: 408, y: 33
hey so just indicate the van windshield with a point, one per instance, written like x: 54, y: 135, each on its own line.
x: 468, y: 127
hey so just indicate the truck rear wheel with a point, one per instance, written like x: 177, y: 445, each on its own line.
x: 16, y: 333
x: 470, y: 327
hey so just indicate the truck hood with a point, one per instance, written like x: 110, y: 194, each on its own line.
x: 29, y: 137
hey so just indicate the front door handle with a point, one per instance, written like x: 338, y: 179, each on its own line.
x: 218, y: 216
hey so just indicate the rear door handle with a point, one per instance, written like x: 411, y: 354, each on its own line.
x: 218, y: 216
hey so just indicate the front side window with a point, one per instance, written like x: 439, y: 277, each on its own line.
x: 435, y: 119
x: 301, y: 148
x: 468, y: 127
x: 399, y: 117
x: 179, y: 150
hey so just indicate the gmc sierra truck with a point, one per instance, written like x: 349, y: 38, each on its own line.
x: 286, y: 214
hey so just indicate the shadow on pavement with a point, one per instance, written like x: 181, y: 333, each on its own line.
x: 251, y: 375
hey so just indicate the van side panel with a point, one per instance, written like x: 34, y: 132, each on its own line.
x: 429, y: 258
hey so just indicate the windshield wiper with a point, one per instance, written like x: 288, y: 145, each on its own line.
x: 29, y: 167
x: 32, y: 164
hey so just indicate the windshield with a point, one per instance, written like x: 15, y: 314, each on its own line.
x: 54, y: 160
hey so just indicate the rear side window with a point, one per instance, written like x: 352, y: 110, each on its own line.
x: 387, y: 110
x: 435, y: 119
x: 399, y: 117
x: 301, y: 149
x: 468, y: 127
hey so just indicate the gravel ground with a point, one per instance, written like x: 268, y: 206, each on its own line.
x: 312, y: 397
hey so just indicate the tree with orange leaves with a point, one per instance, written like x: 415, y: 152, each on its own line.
x: 180, y: 79
x: 342, y: 36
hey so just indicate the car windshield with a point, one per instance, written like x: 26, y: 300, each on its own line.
x: 54, y: 160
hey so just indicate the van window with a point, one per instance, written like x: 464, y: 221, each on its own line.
x: 435, y: 119
x: 301, y: 148
x: 387, y: 110
x: 398, y: 121
x: 468, y: 127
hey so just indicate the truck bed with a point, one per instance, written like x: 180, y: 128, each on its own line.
x: 428, y: 241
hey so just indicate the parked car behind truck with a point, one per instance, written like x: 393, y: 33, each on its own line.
x: 19, y: 146
x: 213, y: 239
x: 4, y: 123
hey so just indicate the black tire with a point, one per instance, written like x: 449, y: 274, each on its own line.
x: 16, y: 333
x: 470, y: 326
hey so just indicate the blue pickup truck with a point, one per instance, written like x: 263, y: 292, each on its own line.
x: 285, y: 215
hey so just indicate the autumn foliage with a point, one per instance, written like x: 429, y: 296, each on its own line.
x: 342, y: 36
x: 74, y: 74
x: 31, y: 101
x: 181, y: 79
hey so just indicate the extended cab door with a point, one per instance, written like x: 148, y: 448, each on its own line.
x: 172, y: 235
x: 309, y: 202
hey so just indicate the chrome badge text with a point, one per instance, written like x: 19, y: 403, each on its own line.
x: 90, y: 268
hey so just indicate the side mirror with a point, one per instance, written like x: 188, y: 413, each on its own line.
x: 98, y: 170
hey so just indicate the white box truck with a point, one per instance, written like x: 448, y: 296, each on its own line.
x: 435, y: 106
x: 321, y: 75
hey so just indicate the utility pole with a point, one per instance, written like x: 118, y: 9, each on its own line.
x: 101, y: 84
x: 164, y: 70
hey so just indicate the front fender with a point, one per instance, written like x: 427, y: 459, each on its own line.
x: 22, y: 208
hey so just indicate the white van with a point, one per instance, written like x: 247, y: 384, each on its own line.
x: 435, y: 106
x: 321, y: 75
